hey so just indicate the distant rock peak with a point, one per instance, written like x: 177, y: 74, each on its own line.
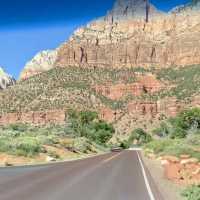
x: 123, y: 39
x: 131, y: 9
x: 43, y: 61
x: 5, y: 79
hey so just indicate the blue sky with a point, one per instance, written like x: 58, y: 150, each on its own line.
x: 29, y: 26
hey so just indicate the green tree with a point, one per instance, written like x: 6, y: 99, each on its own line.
x: 189, y: 118
x: 87, y: 116
x: 140, y: 136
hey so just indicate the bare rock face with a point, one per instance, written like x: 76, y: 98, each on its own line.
x: 147, y: 84
x: 37, y: 118
x: 130, y: 9
x: 123, y: 39
x: 43, y: 61
x: 5, y: 80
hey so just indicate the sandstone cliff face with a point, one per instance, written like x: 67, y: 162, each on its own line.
x: 43, y: 61
x: 37, y: 118
x: 130, y: 9
x: 146, y: 84
x: 124, y: 39
x: 5, y: 80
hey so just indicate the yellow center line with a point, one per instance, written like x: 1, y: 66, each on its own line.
x: 111, y: 158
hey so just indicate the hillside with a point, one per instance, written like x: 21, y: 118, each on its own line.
x: 127, y: 97
x: 132, y: 72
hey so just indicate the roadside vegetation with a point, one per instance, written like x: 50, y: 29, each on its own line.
x: 83, y: 133
x: 179, y: 135
x: 138, y: 137
x: 192, y: 193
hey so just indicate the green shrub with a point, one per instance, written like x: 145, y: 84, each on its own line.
x: 87, y: 116
x: 125, y: 144
x: 162, y: 131
x: 193, y: 139
x: 192, y: 193
x: 140, y: 136
x: 174, y: 147
x: 189, y: 118
x: 87, y: 124
x: 159, y: 146
x: 18, y: 127
x: 82, y: 144
x: 22, y: 146
x: 28, y: 147
x: 178, y: 132
x: 186, y: 122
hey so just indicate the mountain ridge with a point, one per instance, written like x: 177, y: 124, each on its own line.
x: 110, y: 42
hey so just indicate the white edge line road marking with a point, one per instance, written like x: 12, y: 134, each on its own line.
x: 146, y: 179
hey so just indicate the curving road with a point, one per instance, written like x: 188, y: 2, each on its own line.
x: 113, y: 176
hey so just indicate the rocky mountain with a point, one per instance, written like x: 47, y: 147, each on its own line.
x: 5, y: 80
x: 167, y: 40
x: 130, y: 9
x: 43, y: 61
x: 133, y: 73
x: 123, y: 39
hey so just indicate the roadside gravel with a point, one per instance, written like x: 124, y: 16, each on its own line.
x: 168, y: 189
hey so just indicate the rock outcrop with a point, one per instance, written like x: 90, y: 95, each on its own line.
x: 124, y: 39
x: 184, y: 171
x: 5, y: 80
x: 131, y: 9
x: 147, y: 84
x: 42, y: 62
x: 37, y: 118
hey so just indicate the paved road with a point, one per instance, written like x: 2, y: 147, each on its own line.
x: 114, y: 176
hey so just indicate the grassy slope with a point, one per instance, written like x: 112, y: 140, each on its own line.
x: 72, y: 88
x: 59, y: 88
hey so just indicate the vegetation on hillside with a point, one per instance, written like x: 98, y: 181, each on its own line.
x: 72, y: 87
x: 185, y: 81
x: 179, y: 135
x: 84, y: 133
x: 192, y: 193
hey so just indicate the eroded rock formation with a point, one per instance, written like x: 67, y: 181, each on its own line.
x: 37, y: 118
x: 123, y: 39
x: 43, y: 61
x: 147, y: 84
x: 5, y: 80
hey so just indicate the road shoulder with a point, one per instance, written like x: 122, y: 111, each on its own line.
x: 167, y: 189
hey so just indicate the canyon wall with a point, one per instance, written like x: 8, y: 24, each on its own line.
x: 37, y: 118
x: 145, y: 84
x: 123, y: 39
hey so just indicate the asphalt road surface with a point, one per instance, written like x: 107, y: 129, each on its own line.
x: 113, y: 176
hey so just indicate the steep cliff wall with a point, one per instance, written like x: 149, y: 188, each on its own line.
x: 126, y: 40
x: 123, y: 39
